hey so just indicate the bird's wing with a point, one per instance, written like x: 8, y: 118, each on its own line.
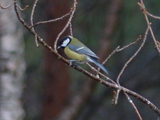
x: 83, y: 50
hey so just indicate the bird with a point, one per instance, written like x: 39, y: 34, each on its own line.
x: 78, y: 52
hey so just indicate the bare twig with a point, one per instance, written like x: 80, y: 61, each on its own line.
x: 141, y: 4
x: 71, y: 31
x: 2, y: 7
x: 100, y: 73
x: 158, y: 43
x: 32, y: 12
x: 146, y: 12
x: 131, y: 58
x: 69, y: 21
x: 53, y: 20
x: 153, y: 16
x: 115, y: 97
x: 139, y: 38
x: 144, y: 100
x: 31, y: 19
x: 36, y: 41
x: 118, y: 49
x: 135, y: 108
x: 110, y: 55
x: 134, y: 55
x: 23, y: 9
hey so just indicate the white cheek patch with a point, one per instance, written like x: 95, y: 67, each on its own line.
x: 65, y: 42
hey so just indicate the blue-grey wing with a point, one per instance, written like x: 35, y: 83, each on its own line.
x: 83, y: 50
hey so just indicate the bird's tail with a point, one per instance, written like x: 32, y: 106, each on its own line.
x: 99, y: 65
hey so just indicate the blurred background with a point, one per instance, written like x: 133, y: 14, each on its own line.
x: 35, y: 85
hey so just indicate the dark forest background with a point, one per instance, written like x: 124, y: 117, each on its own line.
x: 50, y: 88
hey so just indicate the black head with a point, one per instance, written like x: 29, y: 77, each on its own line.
x: 64, y: 42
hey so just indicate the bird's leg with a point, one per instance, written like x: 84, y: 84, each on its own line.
x: 71, y: 62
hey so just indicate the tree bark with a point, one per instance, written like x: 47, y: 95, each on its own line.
x: 12, y: 65
x: 57, y: 80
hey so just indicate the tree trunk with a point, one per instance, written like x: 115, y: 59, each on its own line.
x: 12, y: 65
x: 57, y: 81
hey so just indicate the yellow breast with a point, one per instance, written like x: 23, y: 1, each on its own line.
x: 74, y: 56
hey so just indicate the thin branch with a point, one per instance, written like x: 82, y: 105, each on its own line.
x: 71, y: 31
x: 142, y: 99
x: 158, y: 43
x: 141, y: 4
x: 124, y: 67
x: 115, y: 97
x: 110, y: 55
x: 146, y: 12
x: 2, y: 7
x: 32, y: 12
x: 134, y: 55
x: 23, y: 9
x: 69, y: 21
x: 36, y: 41
x: 138, y: 39
x: 31, y: 20
x: 135, y: 108
x: 100, y: 73
x: 118, y: 49
x: 53, y: 20
x: 153, y: 16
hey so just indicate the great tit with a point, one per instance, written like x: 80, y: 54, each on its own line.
x: 78, y: 52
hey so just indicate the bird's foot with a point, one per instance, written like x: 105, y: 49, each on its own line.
x: 71, y: 62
